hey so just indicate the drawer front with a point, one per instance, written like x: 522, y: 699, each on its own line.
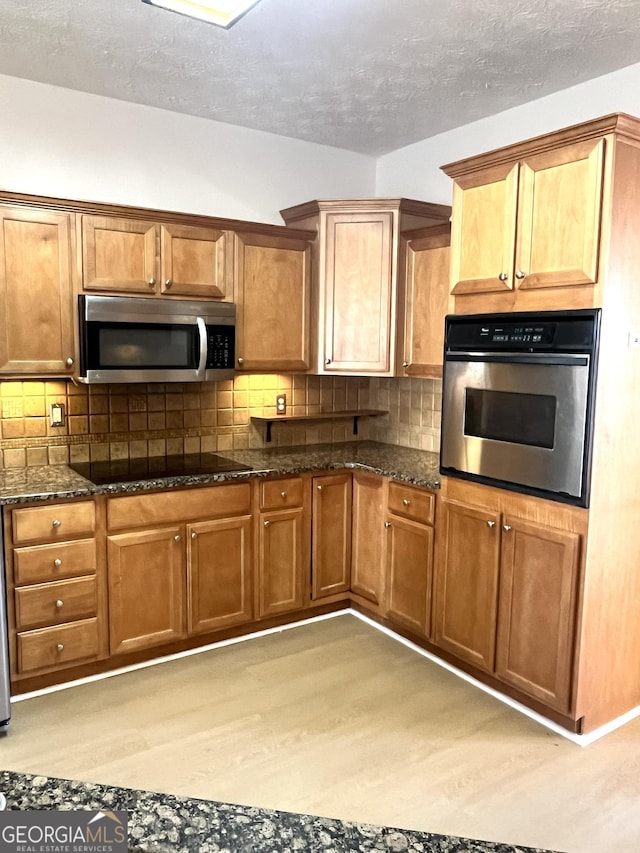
x: 178, y: 506
x: 50, y: 523
x: 409, y: 502
x: 51, y: 603
x: 281, y: 494
x: 52, y: 562
x: 51, y: 647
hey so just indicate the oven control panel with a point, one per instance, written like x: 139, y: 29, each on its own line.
x: 547, y: 332
x: 512, y: 334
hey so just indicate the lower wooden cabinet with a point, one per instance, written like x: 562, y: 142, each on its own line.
x: 367, y: 537
x: 330, y: 535
x: 281, y: 565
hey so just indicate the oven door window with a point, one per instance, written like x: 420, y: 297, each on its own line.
x: 519, y: 418
x: 129, y: 345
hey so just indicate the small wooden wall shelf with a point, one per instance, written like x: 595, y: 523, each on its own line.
x: 319, y: 416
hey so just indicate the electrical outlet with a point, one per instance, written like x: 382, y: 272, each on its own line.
x: 634, y: 339
x: 56, y: 414
x: 281, y: 404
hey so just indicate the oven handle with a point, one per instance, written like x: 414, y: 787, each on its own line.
x: 567, y: 360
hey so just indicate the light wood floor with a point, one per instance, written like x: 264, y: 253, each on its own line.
x: 337, y: 719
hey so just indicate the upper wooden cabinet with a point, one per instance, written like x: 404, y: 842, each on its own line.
x: 273, y: 280
x: 143, y: 257
x: 356, y: 278
x: 36, y: 329
x: 424, y: 300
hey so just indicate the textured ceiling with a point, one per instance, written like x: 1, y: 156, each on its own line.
x: 364, y: 75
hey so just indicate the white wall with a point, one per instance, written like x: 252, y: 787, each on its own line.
x: 414, y: 171
x: 59, y: 142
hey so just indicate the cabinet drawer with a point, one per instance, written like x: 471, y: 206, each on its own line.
x: 50, y: 603
x: 178, y: 506
x: 280, y: 494
x: 409, y: 502
x: 53, y: 522
x: 49, y: 647
x: 52, y: 562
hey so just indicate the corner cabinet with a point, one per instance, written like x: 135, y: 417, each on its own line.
x: 36, y: 286
x: 357, y: 269
x: 331, y: 535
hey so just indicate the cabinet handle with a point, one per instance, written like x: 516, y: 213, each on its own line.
x: 266, y: 523
x: 168, y: 283
x: 503, y: 276
x: 240, y: 360
x: 405, y: 364
x: 60, y: 647
x: 520, y: 274
x: 69, y: 362
x: 406, y: 502
x: 387, y: 524
x: 177, y: 538
x: 319, y: 488
x: 59, y: 603
x: 194, y: 535
x: 327, y: 361
x: 56, y: 522
x: 57, y: 563
x: 283, y: 494
x: 152, y: 281
x: 491, y: 524
x: 506, y: 527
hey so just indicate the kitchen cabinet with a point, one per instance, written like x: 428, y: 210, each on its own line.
x: 506, y: 597
x: 357, y: 269
x: 273, y: 281
x: 36, y: 307
x: 142, y: 257
x: 330, y: 535
x: 529, y: 219
x: 283, y: 547
x: 409, y: 556
x: 180, y: 564
x: 367, y: 552
x: 56, y: 598
x: 425, y: 300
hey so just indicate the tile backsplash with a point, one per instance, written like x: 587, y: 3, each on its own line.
x: 120, y: 421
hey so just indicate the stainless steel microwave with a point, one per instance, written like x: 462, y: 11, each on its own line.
x: 130, y: 339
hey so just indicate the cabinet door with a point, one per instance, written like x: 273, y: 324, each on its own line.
x: 146, y: 588
x: 273, y: 302
x: 196, y: 262
x: 331, y: 535
x: 280, y: 561
x: 426, y: 301
x: 559, y: 216
x: 367, y: 555
x: 537, y: 611
x: 483, y: 230
x: 358, y: 293
x: 219, y: 574
x: 119, y: 255
x: 466, y: 588
x: 409, y: 573
x: 36, y: 329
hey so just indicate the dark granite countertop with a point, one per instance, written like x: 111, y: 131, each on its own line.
x: 164, y: 823
x: 399, y: 463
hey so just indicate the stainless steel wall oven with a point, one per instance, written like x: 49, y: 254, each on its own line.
x: 517, y: 401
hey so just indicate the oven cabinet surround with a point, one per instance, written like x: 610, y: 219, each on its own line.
x: 178, y: 564
x: 56, y: 587
x: 36, y: 285
x: 138, y: 257
x: 273, y: 296
x: 423, y: 301
x: 357, y: 278
x: 507, y: 586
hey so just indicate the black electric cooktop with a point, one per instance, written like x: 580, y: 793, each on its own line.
x: 152, y: 467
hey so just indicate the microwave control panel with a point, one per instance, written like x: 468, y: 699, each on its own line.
x: 220, y: 347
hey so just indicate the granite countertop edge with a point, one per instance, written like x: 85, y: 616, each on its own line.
x: 404, y: 464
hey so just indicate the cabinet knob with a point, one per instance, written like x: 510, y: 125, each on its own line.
x: 57, y: 563
x: 152, y: 281
x: 194, y: 535
x: 69, y: 362
x: 168, y: 283
x: 56, y: 522
x: 319, y: 488
x: 506, y: 527
x: 283, y: 494
x: 59, y: 603
x: 387, y: 524
x: 266, y: 523
x: 503, y: 276
x: 406, y: 502
x: 60, y: 647
x: 327, y: 361
x: 405, y: 364
x: 177, y: 538
x: 240, y: 360
x: 520, y: 274
x: 491, y: 524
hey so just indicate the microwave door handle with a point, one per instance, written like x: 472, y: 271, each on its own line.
x: 202, y: 364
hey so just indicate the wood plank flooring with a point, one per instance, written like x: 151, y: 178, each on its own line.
x: 335, y: 718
